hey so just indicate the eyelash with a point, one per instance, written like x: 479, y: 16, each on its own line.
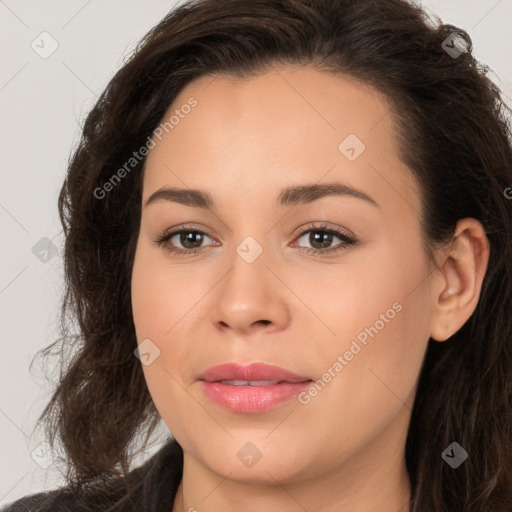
x: 348, y: 241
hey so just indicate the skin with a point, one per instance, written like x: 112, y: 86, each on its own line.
x: 243, y: 142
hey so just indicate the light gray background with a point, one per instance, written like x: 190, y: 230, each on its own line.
x: 43, y: 102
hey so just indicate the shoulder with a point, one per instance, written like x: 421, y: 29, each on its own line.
x: 149, y: 487
x: 58, y: 499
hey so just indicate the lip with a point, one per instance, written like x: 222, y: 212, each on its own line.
x: 251, y: 398
x: 254, y: 371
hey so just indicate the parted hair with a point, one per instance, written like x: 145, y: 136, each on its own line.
x: 453, y: 127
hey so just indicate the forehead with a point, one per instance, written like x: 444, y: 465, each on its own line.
x: 277, y: 98
x: 288, y: 125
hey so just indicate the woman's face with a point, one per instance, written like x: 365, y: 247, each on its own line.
x: 352, y: 319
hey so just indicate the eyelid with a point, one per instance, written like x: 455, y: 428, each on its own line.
x: 323, y: 226
x: 185, y: 227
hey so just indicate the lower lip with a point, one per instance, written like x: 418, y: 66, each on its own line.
x: 252, y: 398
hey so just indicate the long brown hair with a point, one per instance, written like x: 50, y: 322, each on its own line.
x: 455, y: 137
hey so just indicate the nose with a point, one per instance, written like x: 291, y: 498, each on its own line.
x: 251, y: 298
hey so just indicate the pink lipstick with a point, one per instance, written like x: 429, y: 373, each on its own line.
x: 257, y: 387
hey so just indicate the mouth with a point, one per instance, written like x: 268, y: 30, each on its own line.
x: 254, y: 388
x: 250, y: 382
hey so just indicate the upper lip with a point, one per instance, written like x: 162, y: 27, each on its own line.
x: 251, y: 372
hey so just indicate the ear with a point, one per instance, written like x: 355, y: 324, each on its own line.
x: 461, y: 270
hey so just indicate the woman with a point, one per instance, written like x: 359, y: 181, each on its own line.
x: 369, y: 369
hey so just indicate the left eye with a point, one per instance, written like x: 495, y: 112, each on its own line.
x: 322, y: 236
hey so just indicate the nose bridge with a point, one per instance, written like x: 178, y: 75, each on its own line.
x: 250, y: 293
x: 249, y: 277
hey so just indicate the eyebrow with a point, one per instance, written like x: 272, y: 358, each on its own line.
x: 290, y: 196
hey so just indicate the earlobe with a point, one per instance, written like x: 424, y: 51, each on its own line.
x: 460, y: 276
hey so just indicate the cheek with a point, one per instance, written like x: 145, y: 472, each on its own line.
x: 379, y: 314
x: 163, y: 299
x: 161, y: 294
x: 375, y: 294
x: 375, y: 381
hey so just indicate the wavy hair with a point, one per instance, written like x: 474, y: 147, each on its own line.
x: 454, y: 132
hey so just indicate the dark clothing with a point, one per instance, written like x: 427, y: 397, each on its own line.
x: 150, y: 487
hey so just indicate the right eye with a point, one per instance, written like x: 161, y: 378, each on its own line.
x: 187, y: 237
